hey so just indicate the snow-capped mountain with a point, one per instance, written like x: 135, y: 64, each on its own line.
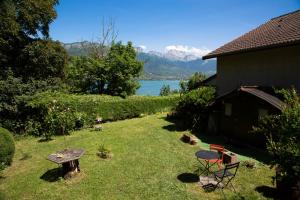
x: 182, y: 53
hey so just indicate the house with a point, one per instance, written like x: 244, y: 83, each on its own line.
x: 247, y: 70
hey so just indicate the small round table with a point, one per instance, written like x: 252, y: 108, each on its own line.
x: 207, y: 155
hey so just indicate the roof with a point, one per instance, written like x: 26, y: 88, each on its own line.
x: 271, y: 99
x: 280, y: 31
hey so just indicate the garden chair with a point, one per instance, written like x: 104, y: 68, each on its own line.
x: 220, y: 149
x: 223, y: 177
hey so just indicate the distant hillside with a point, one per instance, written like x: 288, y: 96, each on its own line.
x: 158, y: 65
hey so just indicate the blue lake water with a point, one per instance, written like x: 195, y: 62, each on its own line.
x: 152, y: 87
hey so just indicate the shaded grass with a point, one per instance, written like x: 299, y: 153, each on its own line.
x: 150, y: 162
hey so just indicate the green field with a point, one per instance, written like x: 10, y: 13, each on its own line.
x: 149, y: 158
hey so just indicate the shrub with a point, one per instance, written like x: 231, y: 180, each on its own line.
x: 59, y: 120
x: 104, y: 152
x: 7, y: 148
x: 165, y: 90
x: 195, y: 81
x: 283, y: 138
x: 193, y: 107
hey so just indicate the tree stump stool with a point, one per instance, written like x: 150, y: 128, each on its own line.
x: 69, y: 158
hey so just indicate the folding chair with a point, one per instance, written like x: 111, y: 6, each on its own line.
x: 220, y: 149
x: 228, y: 173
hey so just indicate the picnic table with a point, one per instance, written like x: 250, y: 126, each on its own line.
x: 69, y: 158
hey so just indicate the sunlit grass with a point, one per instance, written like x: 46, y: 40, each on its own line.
x: 148, y: 158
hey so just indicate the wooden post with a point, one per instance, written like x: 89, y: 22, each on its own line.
x: 70, y: 168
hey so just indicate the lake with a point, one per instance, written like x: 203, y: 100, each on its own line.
x: 152, y: 87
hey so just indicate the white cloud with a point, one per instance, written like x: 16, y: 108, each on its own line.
x: 143, y: 47
x: 197, y: 52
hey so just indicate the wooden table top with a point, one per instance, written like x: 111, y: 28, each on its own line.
x: 66, y: 155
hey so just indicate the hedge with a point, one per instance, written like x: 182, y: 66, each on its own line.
x: 7, y: 148
x: 109, y: 108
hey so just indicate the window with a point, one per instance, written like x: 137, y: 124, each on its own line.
x: 262, y: 112
x: 228, y: 109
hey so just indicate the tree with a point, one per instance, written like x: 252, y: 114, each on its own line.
x: 98, y: 49
x: 283, y: 139
x: 165, y: 90
x: 195, y: 81
x: 42, y: 59
x: 29, y: 60
x: 86, y: 74
x: 123, y: 70
x: 21, y: 22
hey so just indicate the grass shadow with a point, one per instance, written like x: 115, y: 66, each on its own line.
x: 52, y: 175
x: 2, y: 196
x: 177, y: 125
x: 188, y: 178
x: 45, y: 140
x: 268, y: 192
x: 174, y: 127
x: 258, y: 154
x: 25, y: 156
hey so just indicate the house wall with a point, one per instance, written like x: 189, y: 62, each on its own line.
x: 278, y: 67
x: 245, y: 115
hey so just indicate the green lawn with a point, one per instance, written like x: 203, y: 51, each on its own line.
x: 148, y: 158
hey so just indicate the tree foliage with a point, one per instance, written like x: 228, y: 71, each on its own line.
x: 29, y: 60
x: 22, y: 21
x: 193, y: 107
x: 115, y: 74
x: 195, y: 81
x: 283, y: 136
x: 165, y: 90
x: 43, y: 59
x: 86, y: 75
x: 123, y: 68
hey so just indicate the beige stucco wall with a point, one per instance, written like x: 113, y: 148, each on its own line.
x: 279, y: 67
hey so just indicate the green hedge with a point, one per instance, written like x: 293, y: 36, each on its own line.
x: 107, y: 107
x: 7, y: 148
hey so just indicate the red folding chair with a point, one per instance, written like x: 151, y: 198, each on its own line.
x: 220, y: 149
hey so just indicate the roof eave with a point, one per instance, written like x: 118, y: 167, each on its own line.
x: 287, y: 44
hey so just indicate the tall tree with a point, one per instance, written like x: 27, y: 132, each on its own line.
x: 124, y: 69
x: 21, y: 23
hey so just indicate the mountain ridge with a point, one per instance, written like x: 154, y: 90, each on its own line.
x: 171, y: 64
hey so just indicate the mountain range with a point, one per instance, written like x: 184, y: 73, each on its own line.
x: 176, y: 62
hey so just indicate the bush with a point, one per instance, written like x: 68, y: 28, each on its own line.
x: 195, y: 81
x: 7, y: 148
x: 72, y: 111
x: 165, y: 90
x: 283, y: 138
x: 193, y: 107
x: 104, y: 152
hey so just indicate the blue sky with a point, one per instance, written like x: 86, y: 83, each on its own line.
x: 160, y: 23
